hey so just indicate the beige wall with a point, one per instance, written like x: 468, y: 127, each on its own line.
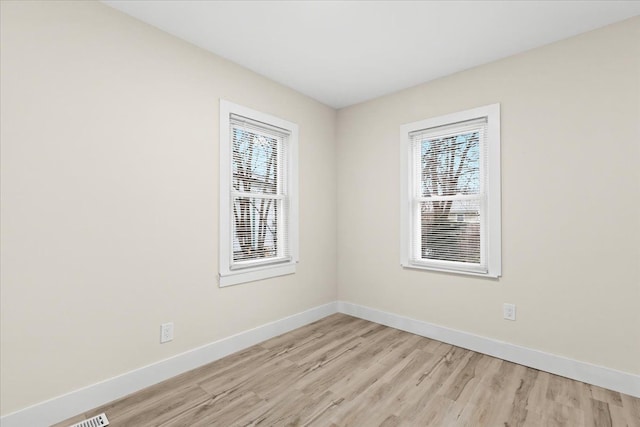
x: 110, y: 198
x: 570, y: 192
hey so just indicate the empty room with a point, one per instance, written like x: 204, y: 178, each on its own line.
x: 319, y: 213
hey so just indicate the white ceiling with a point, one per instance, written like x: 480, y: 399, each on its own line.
x: 345, y: 52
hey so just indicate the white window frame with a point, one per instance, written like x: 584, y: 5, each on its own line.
x: 232, y: 276
x: 492, y: 209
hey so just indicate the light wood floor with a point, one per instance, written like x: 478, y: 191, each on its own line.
x: 343, y: 371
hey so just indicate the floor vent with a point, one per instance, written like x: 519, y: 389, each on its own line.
x: 97, y: 421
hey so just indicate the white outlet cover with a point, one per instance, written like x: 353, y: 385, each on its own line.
x: 509, y: 311
x: 166, y: 332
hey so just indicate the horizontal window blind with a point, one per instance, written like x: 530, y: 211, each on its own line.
x: 449, y: 195
x: 250, y: 124
x: 259, y: 194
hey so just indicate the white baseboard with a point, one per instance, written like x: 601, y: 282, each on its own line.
x: 612, y: 379
x: 87, y: 398
x: 79, y: 401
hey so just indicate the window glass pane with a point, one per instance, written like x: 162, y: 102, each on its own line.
x: 255, y: 228
x: 450, y: 165
x: 255, y: 162
x: 450, y: 230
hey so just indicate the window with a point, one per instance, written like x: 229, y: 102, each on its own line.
x: 258, y: 195
x: 450, y: 200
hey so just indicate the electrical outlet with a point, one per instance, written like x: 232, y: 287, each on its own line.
x: 166, y: 332
x: 509, y: 311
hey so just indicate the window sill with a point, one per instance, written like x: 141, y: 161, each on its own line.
x: 489, y: 274
x: 237, y: 277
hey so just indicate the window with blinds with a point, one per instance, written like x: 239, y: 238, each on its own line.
x: 451, y: 193
x: 258, y: 197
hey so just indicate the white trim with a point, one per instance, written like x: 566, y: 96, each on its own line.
x: 62, y: 407
x: 601, y: 376
x: 87, y: 398
x: 256, y: 273
x: 227, y: 276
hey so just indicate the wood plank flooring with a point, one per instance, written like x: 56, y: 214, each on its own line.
x: 344, y: 371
